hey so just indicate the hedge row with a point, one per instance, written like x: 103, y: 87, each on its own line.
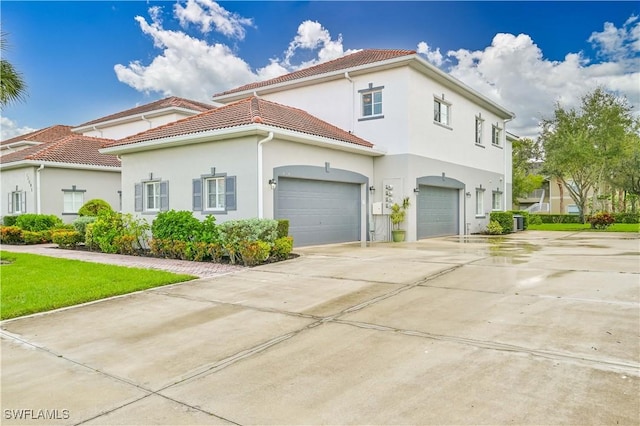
x: 571, y: 218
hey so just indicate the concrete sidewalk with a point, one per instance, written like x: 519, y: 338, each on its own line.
x: 532, y: 328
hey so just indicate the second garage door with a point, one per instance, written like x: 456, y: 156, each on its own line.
x: 319, y: 212
x: 438, y: 211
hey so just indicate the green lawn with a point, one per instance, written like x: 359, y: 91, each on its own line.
x: 32, y: 283
x: 616, y: 227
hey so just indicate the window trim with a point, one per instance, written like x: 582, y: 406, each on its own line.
x: 480, y: 202
x: 437, y: 115
x: 22, y: 202
x: 479, y: 134
x: 493, y: 207
x: 495, y: 128
x: 371, y: 91
x: 199, y: 195
x: 206, y: 194
x: 73, y: 190
x: 141, y: 199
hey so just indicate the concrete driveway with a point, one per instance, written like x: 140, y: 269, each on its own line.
x: 534, y: 328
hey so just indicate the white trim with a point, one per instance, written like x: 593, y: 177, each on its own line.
x: 58, y: 165
x: 135, y: 117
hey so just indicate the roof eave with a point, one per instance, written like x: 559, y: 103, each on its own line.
x: 135, y: 117
x: 58, y: 165
x: 240, y: 131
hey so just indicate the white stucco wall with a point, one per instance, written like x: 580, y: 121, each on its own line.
x: 22, y: 179
x: 122, y: 130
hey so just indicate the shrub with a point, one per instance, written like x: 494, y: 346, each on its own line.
x: 66, y: 239
x: 36, y: 237
x: 535, y: 219
x: 282, y: 247
x: 37, y: 222
x: 494, y: 228
x: 208, y: 231
x: 600, y: 220
x: 94, y: 207
x: 505, y: 219
x: 559, y: 218
x: 216, y: 251
x: 9, y: 220
x: 622, y: 217
x: 283, y: 228
x: 11, y: 235
x: 89, y: 241
x: 107, y: 226
x: 176, y: 225
x: 126, y: 244
x: 80, y: 224
x: 254, y: 252
x: 235, y: 232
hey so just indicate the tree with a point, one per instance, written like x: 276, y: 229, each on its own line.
x: 583, y: 148
x: 525, y: 155
x: 12, y: 85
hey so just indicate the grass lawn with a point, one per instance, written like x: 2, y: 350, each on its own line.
x: 32, y: 283
x: 616, y: 227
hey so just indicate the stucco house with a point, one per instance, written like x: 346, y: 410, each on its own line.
x: 331, y: 148
x: 57, y: 169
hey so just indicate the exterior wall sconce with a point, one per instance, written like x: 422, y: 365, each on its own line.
x: 273, y: 183
x: 416, y: 190
x: 372, y: 188
x: 468, y: 194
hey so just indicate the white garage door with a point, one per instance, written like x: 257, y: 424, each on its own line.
x: 438, y: 211
x: 319, y: 212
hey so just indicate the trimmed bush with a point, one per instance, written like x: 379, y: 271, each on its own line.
x: 80, y: 224
x: 622, y: 217
x: 600, y: 220
x: 11, y: 235
x: 283, y: 228
x: 37, y: 222
x: 282, y: 247
x: 494, y: 228
x: 9, y: 220
x: 535, y: 219
x: 66, y: 239
x: 560, y: 218
x: 94, y: 207
x: 505, y: 219
x: 254, y: 252
x: 234, y: 232
x: 36, y: 237
x: 176, y: 225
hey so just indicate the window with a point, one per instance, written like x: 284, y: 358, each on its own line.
x: 73, y: 200
x: 17, y: 202
x: 371, y: 104
x: 496, y: 135
x: 214, y: 193
x: 479, y: 126
x: 496, y: 200
x: 152, y: 196
x: 441, y: 112
x: 479, y: 202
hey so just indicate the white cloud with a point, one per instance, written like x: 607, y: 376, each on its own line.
x: 514, y: 72
x: 210, y: 15
x: 213, y: 68
x: 434, y: 56
x: 10, y: 129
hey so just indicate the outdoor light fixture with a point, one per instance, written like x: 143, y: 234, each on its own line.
x: 416, y: 190
x: 468, y: 194
x: 273, y: 183
x: 372, y: 188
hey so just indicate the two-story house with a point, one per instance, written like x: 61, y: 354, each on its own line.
x: 330, y: 148
x: 57, y: 169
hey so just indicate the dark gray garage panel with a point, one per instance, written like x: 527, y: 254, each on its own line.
x: 319, y: 212
x: 438, y: 211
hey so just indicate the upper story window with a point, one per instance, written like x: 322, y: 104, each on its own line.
x: 371, y: 102
x: 479, y: 129
x: 441, y: 111
x: 152, y: 196
x: 73, y: 199
x: 496, y: 135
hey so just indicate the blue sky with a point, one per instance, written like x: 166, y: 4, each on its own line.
x: 86, y: 59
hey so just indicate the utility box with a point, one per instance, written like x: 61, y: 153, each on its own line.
x: 376, y: 208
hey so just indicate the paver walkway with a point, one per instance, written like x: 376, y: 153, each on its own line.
x: 198, y: 269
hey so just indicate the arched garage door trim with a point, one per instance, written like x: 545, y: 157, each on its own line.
x: 439, y: 206
x: 303, y: 192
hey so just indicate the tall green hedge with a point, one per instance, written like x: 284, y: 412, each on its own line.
x: 505, y: 219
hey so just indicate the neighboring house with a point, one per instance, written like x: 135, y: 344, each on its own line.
x: 56, y: 169
x: 287, y: 148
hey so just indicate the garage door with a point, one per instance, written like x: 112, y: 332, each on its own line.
x: 438, y: 211
x: 319, y: 212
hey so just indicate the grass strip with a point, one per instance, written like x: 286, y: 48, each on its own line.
x: 616, y: 227
x: 31, y: 283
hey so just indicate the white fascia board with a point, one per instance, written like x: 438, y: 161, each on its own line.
x: 240, y: 131
x: 315, y: 79
x: 136, y: 117
x: 442, y: 77
x: 19, y: 143
x: 57, y: 165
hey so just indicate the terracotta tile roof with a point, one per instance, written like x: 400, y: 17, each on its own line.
x: 48, y: 134
x: 73, y: 149
x: 172, y: 101
x: 248, y: 111
x: 362, y: 57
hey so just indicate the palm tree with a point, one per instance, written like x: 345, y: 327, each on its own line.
x: 12, y: 86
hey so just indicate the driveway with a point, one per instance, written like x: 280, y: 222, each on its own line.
x: 533, y: 328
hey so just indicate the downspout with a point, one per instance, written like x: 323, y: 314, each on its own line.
x: 95, y: 129
x: 504, y: 160
x: 38, y: 191
x: 147, y: 120
x: 260, y: 182
x: 353, y: 106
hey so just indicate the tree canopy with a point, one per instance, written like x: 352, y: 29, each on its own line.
x: 12, y: 85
